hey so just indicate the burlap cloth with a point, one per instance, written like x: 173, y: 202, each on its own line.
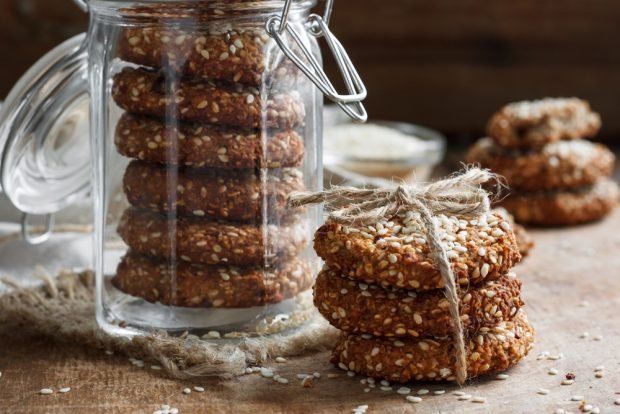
x: 63, y: 308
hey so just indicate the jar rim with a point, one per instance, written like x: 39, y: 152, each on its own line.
x: 195, y: 10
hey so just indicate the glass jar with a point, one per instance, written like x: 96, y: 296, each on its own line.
x: 205, y: 116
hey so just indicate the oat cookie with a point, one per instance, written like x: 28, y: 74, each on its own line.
x: 202, y: 241
x: 359, y: 308
x: 145, y: 92
x: 211, y: 194
x: 536, y: 123
x: 199, y: 286
x: 196, y: 145
x: 489, y: 351
x: 564, y: 208
x: 396, y: 253
x: 230, y: 55
x: 525, y: 242
x: 559, y: 165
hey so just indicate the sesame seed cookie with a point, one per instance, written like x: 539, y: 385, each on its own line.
x: 361, y: 308
x: 564, y: 208
x: 533, y: 124
x: 200, y: 286
x: 489, y: 351
x: 146, y: 92
x: 396, y: 253
x: 151, y: 140
x: 211, y: 194
x: 559, y: 165
x: 525, y: 242
x: 231, y: 55
x: 201, y: 241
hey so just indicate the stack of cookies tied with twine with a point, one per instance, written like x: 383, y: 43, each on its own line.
x: 212, y: 158
x: 556, y: 176
x: 419, y: 280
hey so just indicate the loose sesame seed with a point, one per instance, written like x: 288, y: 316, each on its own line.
x: 568, y: 382
x: 458, y: 393
x: 403, y: 390
x: 316, y: 375
x: 617, y: 401
x: 187, y: 391
x: 266, y: 372
x: 599, y: 374
x: 502, y: 377
x: 108, y: 352
x: 543, y: 391
x: 199, y: 389
x: 599, y: 368
x: 282, y: 380
x: 281, y: 359
x: 351, y: 373
x: 553, y: 371
x: 598, y: 338
x: 479, y: 400
x: 439, y: 392
x: 46, y: 391
x: 413, y: 399
x: 464, y: 397
x: 576, y: 398
x: 155, y: 367
x: 385, y: 383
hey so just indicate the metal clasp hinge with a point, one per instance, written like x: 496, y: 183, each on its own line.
x: 318, y: 26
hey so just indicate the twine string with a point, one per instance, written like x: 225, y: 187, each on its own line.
x: 461, y: 195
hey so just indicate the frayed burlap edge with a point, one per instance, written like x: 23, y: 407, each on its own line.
x: 63, y: 309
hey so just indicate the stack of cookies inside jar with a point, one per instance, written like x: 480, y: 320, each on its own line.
x: 556, y: 176
x: 214, y: 128
x: 383, y: 289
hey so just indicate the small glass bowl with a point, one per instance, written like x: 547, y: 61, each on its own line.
x: 407, y: 167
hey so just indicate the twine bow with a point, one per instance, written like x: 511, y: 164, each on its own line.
x: 459, y: 195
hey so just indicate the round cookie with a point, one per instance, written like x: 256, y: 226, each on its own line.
x: 202, y: 241
x: 532, y: 124
x: 145, y: 92
x: 360, y: 308
x: 211, y: 194
x: 230, y: 55
x: 559, y: 165
x: 396, y: 253
x: 564, y: 208
x: 149, y: 139
x: 199, y: 286
x: 489, y: 351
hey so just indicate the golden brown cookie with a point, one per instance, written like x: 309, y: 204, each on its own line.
x: 202, y: 241
x: 525, y: 242
x: 559, y: 165
x: 199, y: 286
x: 149, y: 139
x: 211, y: 194
x: 532, y: 124
x: 360, y: 308
x: 564, y: 208
x: 248, y: 56
x: 396, y: 253
x: 145, y: 92
x: 489, y: 351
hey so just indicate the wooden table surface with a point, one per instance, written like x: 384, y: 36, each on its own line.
x: 571, y: 286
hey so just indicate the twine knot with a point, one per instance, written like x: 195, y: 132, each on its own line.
x: 461, y: 195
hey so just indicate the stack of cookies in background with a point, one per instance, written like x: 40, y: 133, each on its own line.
x: 381, y: 287
x: 214, y: 158
x: 555, y: 176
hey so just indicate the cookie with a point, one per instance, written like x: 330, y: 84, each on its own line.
x: 396, y: 253
x: 559, y: 165
x: 360, y: 308
x: 246, y: 56
x: 524, y: 240
x: 199, y: 286
x: 203, y: 241
x: 532, y: 124
x: 489, y: 351
x: 146, y: 92
x: 150, y: 139
x: 211, y: 194
x: 564, y: 208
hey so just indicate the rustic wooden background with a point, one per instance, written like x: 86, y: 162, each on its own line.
x: 447, y: 64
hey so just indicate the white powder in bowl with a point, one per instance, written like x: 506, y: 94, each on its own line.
x: 371, y: 142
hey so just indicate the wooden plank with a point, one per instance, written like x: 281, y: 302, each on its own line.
x: 568, y: 267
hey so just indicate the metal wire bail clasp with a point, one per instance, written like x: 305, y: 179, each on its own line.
x: 318, y: 26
